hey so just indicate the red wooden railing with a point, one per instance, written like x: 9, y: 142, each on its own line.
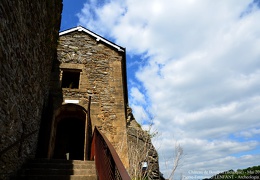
x: 108, y: 164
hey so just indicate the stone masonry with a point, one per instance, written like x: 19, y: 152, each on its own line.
x: 28, y: 41
x: 33, y: 95
x: 102, y: 76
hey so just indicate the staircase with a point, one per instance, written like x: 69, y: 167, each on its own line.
x: 54, y: 169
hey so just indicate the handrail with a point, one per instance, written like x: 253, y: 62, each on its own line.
x: 108, y: 164
x: 17, y: 142
x: 89, y: 130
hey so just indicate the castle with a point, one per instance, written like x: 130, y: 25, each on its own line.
x: 50, y: 87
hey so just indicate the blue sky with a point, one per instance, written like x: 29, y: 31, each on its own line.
x: 193, y: 68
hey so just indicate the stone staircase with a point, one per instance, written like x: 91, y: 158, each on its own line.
x: 54, y: 169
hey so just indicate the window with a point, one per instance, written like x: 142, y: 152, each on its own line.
x: 70, y: 79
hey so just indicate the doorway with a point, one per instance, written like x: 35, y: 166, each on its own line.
x: 71, y: 134
x: 69, y: 143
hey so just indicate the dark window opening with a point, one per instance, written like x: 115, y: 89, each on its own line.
x: 70, y: 79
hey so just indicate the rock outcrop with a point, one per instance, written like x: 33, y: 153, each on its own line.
x: 143, y: 157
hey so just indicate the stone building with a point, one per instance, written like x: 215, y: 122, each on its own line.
x: 88, y: 65
x: 49, y: 89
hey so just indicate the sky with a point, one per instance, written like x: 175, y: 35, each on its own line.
x: 193, y: 70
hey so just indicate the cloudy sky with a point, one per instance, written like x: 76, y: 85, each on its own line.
x: 193, y: 69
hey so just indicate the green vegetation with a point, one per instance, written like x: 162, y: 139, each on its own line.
x: 248, y: 173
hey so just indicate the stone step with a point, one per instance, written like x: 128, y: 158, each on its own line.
x: 60, y: 164
x: 63, y: 161
x: 59, y: 172
x: 58, y: 169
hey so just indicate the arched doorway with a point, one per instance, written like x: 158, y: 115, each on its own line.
x: 69, y: 143
x: 71, y: 132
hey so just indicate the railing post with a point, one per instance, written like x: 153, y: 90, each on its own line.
x: 92, y: 156
x: 88, y: 131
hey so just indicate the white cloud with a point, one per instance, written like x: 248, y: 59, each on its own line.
x: 249, y: 133
x: 137, y: 96
x: 140, y: 113
x: 201, y: 78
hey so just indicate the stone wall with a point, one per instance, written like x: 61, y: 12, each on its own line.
x: 28, y: 40
x: 101, y: 70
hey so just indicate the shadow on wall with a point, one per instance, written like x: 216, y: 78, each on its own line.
x: 28, y: 41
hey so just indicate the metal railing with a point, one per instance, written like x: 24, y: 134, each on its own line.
x: 108, y: 164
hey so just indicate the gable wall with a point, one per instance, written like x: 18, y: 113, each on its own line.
x: 101, y: 77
